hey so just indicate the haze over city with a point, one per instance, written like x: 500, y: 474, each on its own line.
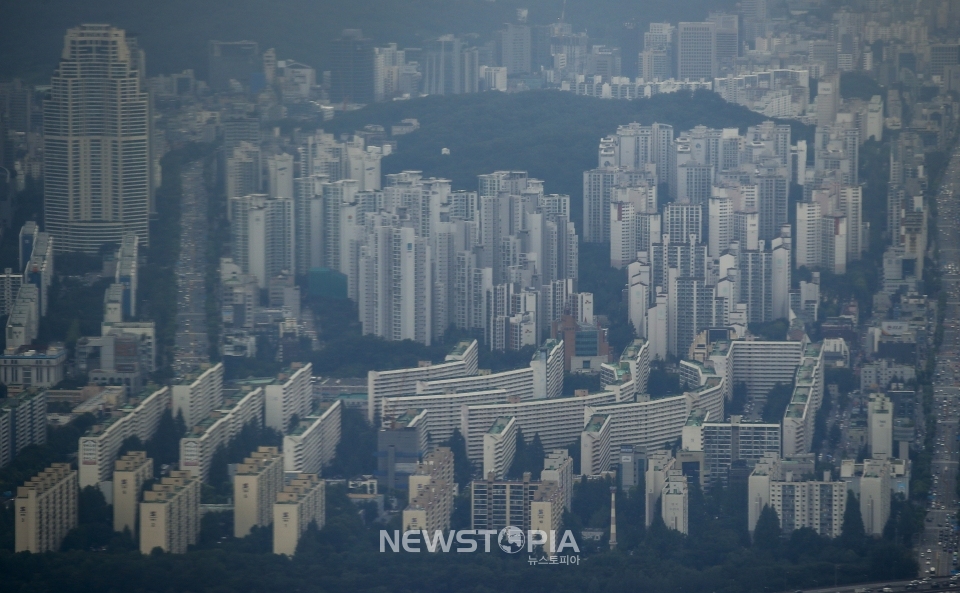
x: 480, y: 296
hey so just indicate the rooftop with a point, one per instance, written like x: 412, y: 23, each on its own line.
x: 49, y: 351
x: 595, y: 423
x: 403, y: 420
x: 546, y: 347
x: 460, y: 347
x: 720, y: 348
x: 193, y: 375
x: 632, y: 349
x: 500, y: 424
x: 697, y: 417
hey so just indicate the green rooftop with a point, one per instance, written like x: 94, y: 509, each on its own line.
x: 631, y: 351
x: 460, y: 347
x: 697, y: 417
x: 500, y: 424
x: 795, y: 411
x: 596, y: 423
x: 720, y: 348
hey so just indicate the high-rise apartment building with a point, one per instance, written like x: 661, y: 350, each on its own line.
x: 23, y: 422
x: 100, y: 446
x: 499, y: 447
x: 255, y: 486
x: 288, y: 396
x: 799, y: 503
x: 595, y: 445
x: 312, y: 444
x: 198, y: 393
x: 170, y: 514
x: 46, y: 509
x: 98, y: 180
x: 431, y: 493
x: 203, y: 439
x: 300, y: 503
x: 130, y: 473
x: 727, y: 442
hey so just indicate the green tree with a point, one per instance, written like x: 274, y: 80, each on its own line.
x: 738, y: 399
x: 528, y: 458
x: 852, y: 533
x: 462, y: 467
x: 357, y: 449
x: 766, y: 535
x: 778, y: 398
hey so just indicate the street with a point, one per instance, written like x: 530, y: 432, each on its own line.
x: 938, y: 544
x: 191, y: 340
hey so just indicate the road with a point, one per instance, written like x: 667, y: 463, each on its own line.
x: 938, y: 542
x: 192, y: 347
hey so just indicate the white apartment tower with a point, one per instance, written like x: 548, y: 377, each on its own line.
x: 674, y: 501
x: 98, y: 179
x: 499, y: 447
x: 289, y: 395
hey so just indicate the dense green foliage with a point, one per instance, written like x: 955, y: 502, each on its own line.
x: 357, y: 449
x: 771, y: 330
x: 738, y: 399
x: 527, y: 458
x: 462, y: 468
x: 662, y: 382
x: 858, y: 85
x: 574, y: 381
x: 778, y: 398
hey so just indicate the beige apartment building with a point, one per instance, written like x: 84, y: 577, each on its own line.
x: 130, y: 473
x: 432, y: 492
x: 46, y: 509
x: 170, y: 514
x: 256, y: 484
x: 299, y: 503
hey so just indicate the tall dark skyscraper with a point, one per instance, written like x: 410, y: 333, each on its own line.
x: 629, y: 49
x: 233, y: 60
x: 352, y: 72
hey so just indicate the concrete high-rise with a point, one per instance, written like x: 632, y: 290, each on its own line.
x: 697, y: 52
x: 230, y: 61
x: 352, y: 72
x: 130, y: 473
x: 46, y: 509
x: 98, y: 180
x: 299, y: 504
x: 258, y: 480
x: 170, y: 514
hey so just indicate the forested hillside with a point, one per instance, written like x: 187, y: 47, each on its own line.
x: 551, y: 134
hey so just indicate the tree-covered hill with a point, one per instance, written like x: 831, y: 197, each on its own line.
x: 553, y: 135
